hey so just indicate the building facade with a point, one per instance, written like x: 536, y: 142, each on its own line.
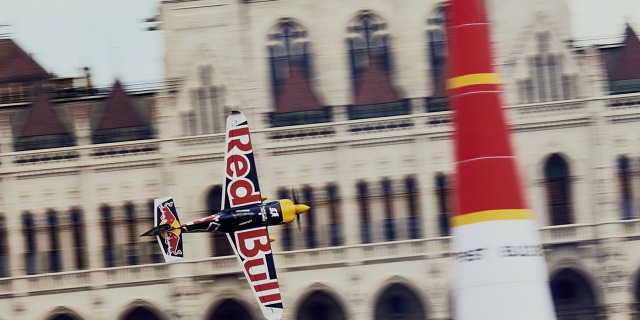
x: 346, y: 103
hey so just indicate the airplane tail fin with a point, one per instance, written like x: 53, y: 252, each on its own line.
x: 167, y: 229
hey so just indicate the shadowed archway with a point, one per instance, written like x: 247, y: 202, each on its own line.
x: 319, y: 305
x: 573, y: 296
x: 398, y: 302
x: 636, y: 291
x: 141, y: 313
x: 63, y: 317
x: 230, y: 309
x: 63, y: 313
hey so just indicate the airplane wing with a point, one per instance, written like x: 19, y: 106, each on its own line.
x: 253, y: 249
x: 241, y: 188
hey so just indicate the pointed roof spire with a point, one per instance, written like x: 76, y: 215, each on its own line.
x: 628, y: 66
x: 42, y: 119
x: 296, y: 94
x: 375, y: 86
x: 17, y: 64
x: 119, y: 111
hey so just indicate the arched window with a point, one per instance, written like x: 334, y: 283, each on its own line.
x: 132, y: 238
x: 230, y: 309
x: 29, y: 233
x: 442, y: 196
x: 79, y: 247
x: 288, y: 45
x: 4, y: 249
x: 413, y: 217
x: 108, y: 245
x: 141, y: 313
x: 55, y: 263
x: 368, y: 40
x: 309, y: 216
x: 399, y: 302
x: 626, y: 188
x: 573, y: 296
x: 153, y: 252
x: 335, y: 232
x: 547, y: 80
x: 220, y: 243
x: 365, y: 216
x: 207, y: 115
x: 437, y: 55
x: 558, y: 185
x: 320, y: 305
x: 389, y: 222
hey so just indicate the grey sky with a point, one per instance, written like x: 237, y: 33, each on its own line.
x: 110, y: 37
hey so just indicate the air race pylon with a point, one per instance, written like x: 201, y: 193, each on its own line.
x: 499, y: 270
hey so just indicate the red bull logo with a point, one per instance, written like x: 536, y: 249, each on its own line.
x: 240, y: 189
x: 253, y: 248
x: 171, y: 237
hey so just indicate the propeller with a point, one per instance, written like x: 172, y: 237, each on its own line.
x: 294, y: 194
x: 291, y: 210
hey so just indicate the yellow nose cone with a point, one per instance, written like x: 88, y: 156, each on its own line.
x: 288, y: 210
x: 301, y: 208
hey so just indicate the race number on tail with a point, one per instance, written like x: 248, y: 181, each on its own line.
x: 168, y: 227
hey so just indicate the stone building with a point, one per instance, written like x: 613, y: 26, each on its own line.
x: 347, y: 104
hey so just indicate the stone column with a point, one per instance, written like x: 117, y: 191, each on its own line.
x: 6, y: 131
x: 81, y: 123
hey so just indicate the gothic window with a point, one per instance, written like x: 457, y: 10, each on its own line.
x: 365, y: 219
x: 320, y: 305
x: 132, y: 237
x: 399, y: 302
x: 154, y: 255
x: 309, y: 216
x: 367, y: 39
x: 54, y: 258
x: 29, y: 234
x: 442, y: 196
x: 626, y: 189
x: 334, y: 212
x: 558, y: 185
x: 389, y: 222
x: 4, y: 249
x: 108, y: 245
x: 547, y: 80
x: 221, y: 245
x: 288, y: 45
x: 207, y: 114
x: 230, y: 309
x: 413, y: 209
x: 437, y: 38
x: 573, y: 296
x: 141, y: 313
x: 79, y: 247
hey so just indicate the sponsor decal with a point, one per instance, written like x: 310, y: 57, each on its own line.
x: 172, y: 247
x: 508, y: 251
x: 254, y: 251
x: 241, y: 189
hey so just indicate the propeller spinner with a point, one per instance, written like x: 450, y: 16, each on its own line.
x: 291, y: 210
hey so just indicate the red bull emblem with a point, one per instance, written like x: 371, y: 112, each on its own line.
x: 253, y: 249
x: 240, y: 190
x: 171, y: 237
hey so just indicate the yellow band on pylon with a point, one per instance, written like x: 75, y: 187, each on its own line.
x: 491, y: 215
x: 473, y: 79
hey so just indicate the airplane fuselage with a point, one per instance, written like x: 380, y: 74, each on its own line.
x: 266, y: 214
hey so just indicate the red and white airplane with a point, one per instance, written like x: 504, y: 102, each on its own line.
x: 244, y: 218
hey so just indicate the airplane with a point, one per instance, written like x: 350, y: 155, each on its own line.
x: 244, y: 218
